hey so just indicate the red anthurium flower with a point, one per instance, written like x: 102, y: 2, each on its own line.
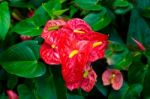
x: 89, y: 79
x: 87, y: 82
x: 141, y: 47
x: 114, y: 77
x: 51, y: 31
x: 12, y: 94
x: 74, y: 45
x: 49, y: 54
x: 74, y: 57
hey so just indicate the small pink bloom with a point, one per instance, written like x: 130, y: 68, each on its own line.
x: 113, y: 77
x: 12, y: 94
x: 141, y: 47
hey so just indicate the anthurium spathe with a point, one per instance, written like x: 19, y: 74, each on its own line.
x: 112, y: 77
x: 99, y: 45
x: 88, y: 81
x: 12, y: 94
x: 49, y: 54
x: 74, y: 56
x: 51, y: 32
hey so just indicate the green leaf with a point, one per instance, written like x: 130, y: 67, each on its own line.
x: 54, y: 9
x: 139, y: 28
x: 30, y: 26
x: 101, y: 87
x: 146, y: 83
x: 4, y: 20
x: 118, y: 56
x: 2, y: 96
x: 25, y: 92
x: 12, y: 81
x: 59, y: 12
x: 123, y: 10
x: 145, y: 12
x: 98, y: 21
x: 48, y: 91
x: 127, y: 92
x: 59, y: 83
x: 88, y: 5
x: 48, y: 86
x: 71, y: 96
x: 136, y: 72
x: 121, y: 3
x: 20, y: 4
x: 22, y: 60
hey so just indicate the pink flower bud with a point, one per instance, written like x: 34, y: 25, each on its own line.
x: 12, y: 94
x: 140, y: 46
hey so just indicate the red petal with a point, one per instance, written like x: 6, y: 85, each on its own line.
x: 49, y: 55
x: 89, y: 82
x: 12, y: 94
x: 99, y: 51
x: 50, y: 36
x: 78, y: 24
x: 73, y: 85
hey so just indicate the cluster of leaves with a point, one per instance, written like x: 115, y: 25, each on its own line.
x: 22, y: 70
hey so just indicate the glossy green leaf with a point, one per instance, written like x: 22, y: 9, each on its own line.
x: 20, y: 4
x: 59, y: 12
x: 127, y: 92
x: 61, y: 89
x: 139, y: 28
x: 71, y: 96
x: 136, y: 72
x: 146, y: 83
x: 145, y: 12
x: 2, y: 96
x: 48, y: 91
x: 55, y: 9
x: 118, y: 56
x: 4, y: 20
x: 30, y: 26
x: 22, y: 60
x: 88, y: 5
x: 123, y: 10
x: 98, y: 21
x: 25, y: 92
x: 101, y: 87
x: 12, y: 82
x: 120, y: 3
